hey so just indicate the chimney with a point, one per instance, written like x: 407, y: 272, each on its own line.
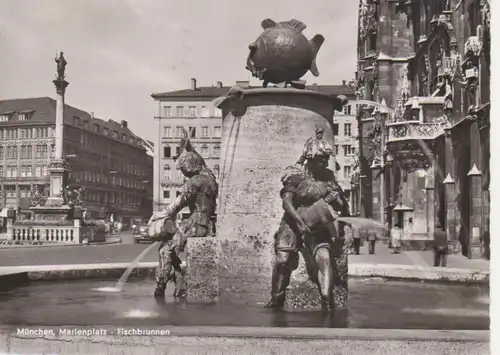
x: 243, y: 84
x: 124, y: 124
x: 219, y: 84
x: 92, y: 114
x: 343, y: 82
x: 193, y: 84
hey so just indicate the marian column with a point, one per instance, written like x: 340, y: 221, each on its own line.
x: 57, y: 167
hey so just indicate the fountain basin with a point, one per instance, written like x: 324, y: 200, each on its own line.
x: 373, y: 303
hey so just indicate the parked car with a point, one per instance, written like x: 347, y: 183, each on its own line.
x: 140, y: 234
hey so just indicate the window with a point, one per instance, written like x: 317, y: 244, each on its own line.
x: 204, y: 151
x: 180, y: 111
x: 1, y: 171
x: 217, y: 151
x: 192, y: 132
x: 336, y: 149
x: 52, y: 150
x: 167, y: 172
x: 167, y: 131
x: 96, y: 128
x: 177, y: 151
x: 167, y: 111
x: 347, y: 129
x: 347, y: 149
x: 192, y: 111
x: 204, y: 132
x: 38, y: 171
x: 179, y: 175
x: 217, y: 131
x: 4, y: 118
x: 115, y: 134
x: 166, y: 193
x: 335, y: 129
x: 45, y: 151
x: 23, y: 116
x: 106, y: 131
x: 1, y: 152
x: 205, y: 111
x: 178, y: 132
x: 347, y: 109
x: 347, y: 171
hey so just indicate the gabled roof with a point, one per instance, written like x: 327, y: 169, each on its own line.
x: 212, y: 92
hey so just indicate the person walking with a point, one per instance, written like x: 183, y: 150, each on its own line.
x: 356, y: 239
x: 372, y: 239
x: 396, y: 234
x: 440, y: 246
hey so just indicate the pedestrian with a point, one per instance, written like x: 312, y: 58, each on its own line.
x: 396, y: 233
x: 440, y: 246
x: 356, y: 237
x: 372, y: 239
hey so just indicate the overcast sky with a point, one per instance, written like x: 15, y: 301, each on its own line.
x: 121, y: 51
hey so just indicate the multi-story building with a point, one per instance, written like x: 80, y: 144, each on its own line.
x: 428, y: 153
x: 193, y: 110
x: 105, y: 157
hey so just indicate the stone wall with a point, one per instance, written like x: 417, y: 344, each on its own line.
x: 201, y: 268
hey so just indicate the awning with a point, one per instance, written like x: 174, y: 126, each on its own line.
x: 3, y: 212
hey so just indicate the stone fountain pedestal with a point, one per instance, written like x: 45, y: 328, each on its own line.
x: 264, y: 131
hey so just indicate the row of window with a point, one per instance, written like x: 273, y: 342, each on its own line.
x: 204, y: 151
x: 348, y: 149
x: 190, y: 111
x: 168, y: 173
x: 26, y: 133
x: 168, y: 132
x: 85, y: 177
x: 105, y: 130
x: 114, y: 198
x: 26, y: 151
x: 13, y: 171
x: 347, y: 129
x: 101, y: 143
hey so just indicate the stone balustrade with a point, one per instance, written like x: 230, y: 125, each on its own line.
x: 60, y: 234
x: 413, y: 130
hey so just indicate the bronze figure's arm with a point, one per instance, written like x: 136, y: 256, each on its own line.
x: 292, y: 212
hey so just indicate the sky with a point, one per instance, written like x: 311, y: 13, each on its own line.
x: 119, y: 52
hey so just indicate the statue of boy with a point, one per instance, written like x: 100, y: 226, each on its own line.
x: 199, y: 193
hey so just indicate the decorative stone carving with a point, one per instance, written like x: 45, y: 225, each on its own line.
x: 367, y: 19
x: 485, y: 11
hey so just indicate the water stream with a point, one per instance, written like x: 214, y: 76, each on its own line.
x: 123, y: 279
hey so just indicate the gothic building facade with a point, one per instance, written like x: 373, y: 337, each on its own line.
x: 424, y: 153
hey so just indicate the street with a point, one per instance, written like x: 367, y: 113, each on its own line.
x: 127, y: 251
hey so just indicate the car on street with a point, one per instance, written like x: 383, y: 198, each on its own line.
x: 141, y: 235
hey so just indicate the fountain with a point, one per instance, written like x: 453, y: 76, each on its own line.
x: 264, y: 131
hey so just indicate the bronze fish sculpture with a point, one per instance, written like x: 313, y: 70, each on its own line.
x: 282, y: 54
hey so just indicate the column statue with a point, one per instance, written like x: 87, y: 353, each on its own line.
x: 61, y: 66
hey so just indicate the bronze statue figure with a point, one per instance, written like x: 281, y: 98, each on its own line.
x: 61, y: 66
x: 199, y: 193
x: 282, y: 54
x: 308, y: 186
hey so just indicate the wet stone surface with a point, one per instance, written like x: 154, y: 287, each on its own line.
x: 373, y: 303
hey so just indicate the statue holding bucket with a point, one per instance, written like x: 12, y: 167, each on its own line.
x: 199, y: 193
x: 311, y: 200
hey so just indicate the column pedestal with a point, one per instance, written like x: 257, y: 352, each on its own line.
x: 201, y: 269
x: 57, y: 170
